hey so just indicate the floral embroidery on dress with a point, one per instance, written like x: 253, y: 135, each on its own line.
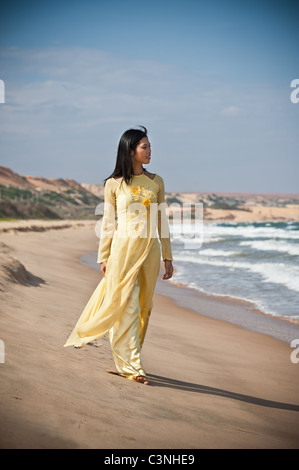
x: 143, y: 195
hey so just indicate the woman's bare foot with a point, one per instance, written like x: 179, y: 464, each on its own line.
x: 141, y: 379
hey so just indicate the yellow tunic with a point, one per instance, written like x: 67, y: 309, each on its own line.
x: 134, y: 216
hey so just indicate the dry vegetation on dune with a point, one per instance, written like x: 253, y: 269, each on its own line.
x: 29, y: 197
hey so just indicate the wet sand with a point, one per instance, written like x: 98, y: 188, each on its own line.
x: 213, y: 384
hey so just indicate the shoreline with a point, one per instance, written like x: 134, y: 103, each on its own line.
x: 213, y: 385
x: 230, y: 309
x: 233, y: 310
x: 278, y: 327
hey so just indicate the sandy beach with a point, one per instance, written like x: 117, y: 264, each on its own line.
x: 213, y: 384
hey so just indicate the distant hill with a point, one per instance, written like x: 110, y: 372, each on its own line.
x: 28, y: 197
x: 96, y: 189
x: 9, y: 177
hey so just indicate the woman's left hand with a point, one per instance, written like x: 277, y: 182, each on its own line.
x: 168, y: 269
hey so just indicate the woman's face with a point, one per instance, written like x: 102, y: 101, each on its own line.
x: 142, y: 153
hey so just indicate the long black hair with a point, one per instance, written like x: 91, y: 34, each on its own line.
x: 128, y: 143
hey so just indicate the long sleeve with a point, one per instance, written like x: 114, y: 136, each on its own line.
x: 108, y: 222
x: 163, y: 227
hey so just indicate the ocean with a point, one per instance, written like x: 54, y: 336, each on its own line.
x: 252, y: 261
x: 255, y: 262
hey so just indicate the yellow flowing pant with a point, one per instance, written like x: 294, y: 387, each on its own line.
x: 128, y: 333
x: 122, y: 301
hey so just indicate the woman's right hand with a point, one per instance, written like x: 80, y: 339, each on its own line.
x: 103, y: 267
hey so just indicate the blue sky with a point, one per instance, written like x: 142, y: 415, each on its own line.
x: 210, y: 81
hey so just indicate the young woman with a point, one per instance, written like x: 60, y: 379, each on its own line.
x: 129, y: 254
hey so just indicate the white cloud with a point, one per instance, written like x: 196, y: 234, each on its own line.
x: 86, y: 85
x: 66, y: 107
x: 89, y: 85
x: 231, y: 111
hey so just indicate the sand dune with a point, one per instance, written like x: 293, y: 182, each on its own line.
x: 236, y: 207
x: 255, y: 214
x: 12, y: 271
x: 40, y: 225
